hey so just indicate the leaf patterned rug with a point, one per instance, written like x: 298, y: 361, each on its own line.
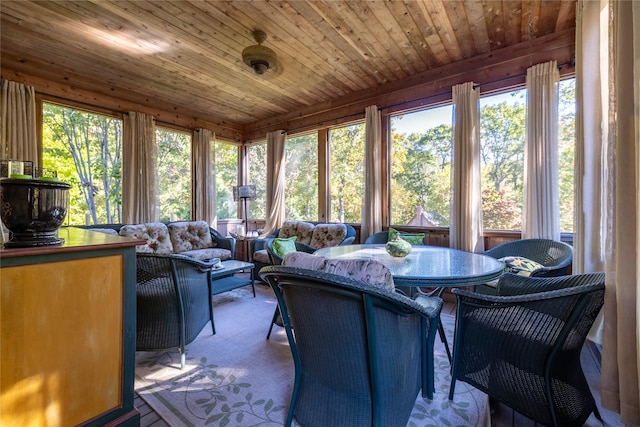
x: 238, y: 378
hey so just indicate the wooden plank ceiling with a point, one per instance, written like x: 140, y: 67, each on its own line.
x: 185, y: 56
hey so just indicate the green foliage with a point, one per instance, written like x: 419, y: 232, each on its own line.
x: 301, y: 177
x: 258, y: 176
x: 174, y: 174
x: 499, y: 210
x: 420, y: 175
x: 347, y: 173
x: 86, y: 151
x: 225, y: 161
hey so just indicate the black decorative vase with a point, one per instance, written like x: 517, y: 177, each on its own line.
x: 33, y: 210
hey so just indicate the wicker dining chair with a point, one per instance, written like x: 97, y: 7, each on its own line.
x: 361, y: 353
x: 522, y: 347
x: 554, y: 256
x: 173, y: 299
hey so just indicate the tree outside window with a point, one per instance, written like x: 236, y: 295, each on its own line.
x: 502, y: 134
x: 301, y: 177
x: 347, y: 173
x: 258, y: 176
x: 225, y: 158
x: 86, y: 151
x: 174, y: 174
x: 421, y: 167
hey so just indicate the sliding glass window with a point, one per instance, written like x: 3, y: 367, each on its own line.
x: 258, y: 176
x: 502, y: 134
x: 224, y: 157
x: 85, y: 149
x: 421, y: 167
x: 301, y: 177
x: 346, y: 145
x: 174, y: 174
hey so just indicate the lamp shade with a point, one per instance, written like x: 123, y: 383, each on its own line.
x: 244, y: 192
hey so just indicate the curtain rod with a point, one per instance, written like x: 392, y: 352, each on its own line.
x: 571, y: 63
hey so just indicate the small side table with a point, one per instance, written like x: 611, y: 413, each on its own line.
x: 244, y: 248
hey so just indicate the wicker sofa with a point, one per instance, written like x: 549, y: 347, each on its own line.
x: 194, y: 239
x: 313, y: 235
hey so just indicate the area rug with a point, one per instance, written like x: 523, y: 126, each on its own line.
x: 238, y: 378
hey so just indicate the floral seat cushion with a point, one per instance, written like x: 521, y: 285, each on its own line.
x: 156, y: 235
x: 190, y: 235
x: 328, y: 235
x: 301, y: 230
x: 366, y: 271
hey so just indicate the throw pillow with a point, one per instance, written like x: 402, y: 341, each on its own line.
x: 519, y: 265
x: 413, y: 238
x: 366, y: 271
x: 282, y: 247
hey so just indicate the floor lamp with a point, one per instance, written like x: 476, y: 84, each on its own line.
x: 244, y: 193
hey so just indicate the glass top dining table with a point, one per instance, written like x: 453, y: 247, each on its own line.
x: 426, y: 266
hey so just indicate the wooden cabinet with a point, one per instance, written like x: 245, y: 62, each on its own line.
x: 67, y: 342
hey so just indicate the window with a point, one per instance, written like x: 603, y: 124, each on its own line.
x: 174, y: 174
x: 346, y: 145
x: 567, y: 139
x: 301, y: 177
x: 258, y: 176
x: 502, y: 135
x: 421, y: 167
x: 86, y: 151
x: 225, y: 158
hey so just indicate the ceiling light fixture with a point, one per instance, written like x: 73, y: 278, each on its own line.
x: 259, y: 57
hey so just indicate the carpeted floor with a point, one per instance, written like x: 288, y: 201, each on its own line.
x: 238, y: 378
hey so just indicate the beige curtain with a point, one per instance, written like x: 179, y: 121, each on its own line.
x: 18, y: 122
x: 139, y: 192
x: 607, y: 225
x: 466, y: 206
x: 372, y: 201
x: 203, y: 188
x: 541, y: 204
x: 275, y: 181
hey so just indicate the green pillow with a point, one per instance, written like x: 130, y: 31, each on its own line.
x: 281, y: 246
x: 519, y: 265
x: 414, y: 239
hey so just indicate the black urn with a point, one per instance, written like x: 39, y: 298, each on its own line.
x: 33, y: 210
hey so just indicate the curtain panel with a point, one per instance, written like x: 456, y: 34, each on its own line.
x: 466, y: 207
x: 139, y: 164
x: 541, y: 204
x: 607, y: 205
x: 203, y: 188
x: 18, y: 122
x: 275, y: 181
x: 373, y: 191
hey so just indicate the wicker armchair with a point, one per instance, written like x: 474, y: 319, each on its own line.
x: 277, y: 260
x: 173, y: 295
x: 522, y: 347
x: 361, y: 353
x: 379, y: 237
x: 555, y: 256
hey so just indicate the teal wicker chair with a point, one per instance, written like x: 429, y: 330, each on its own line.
x: 277, y: 260
x: 555, y: 256
x: 361, y: 353
x: 377, y: 238
x: 522, y: 347
x: 173, y: 299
